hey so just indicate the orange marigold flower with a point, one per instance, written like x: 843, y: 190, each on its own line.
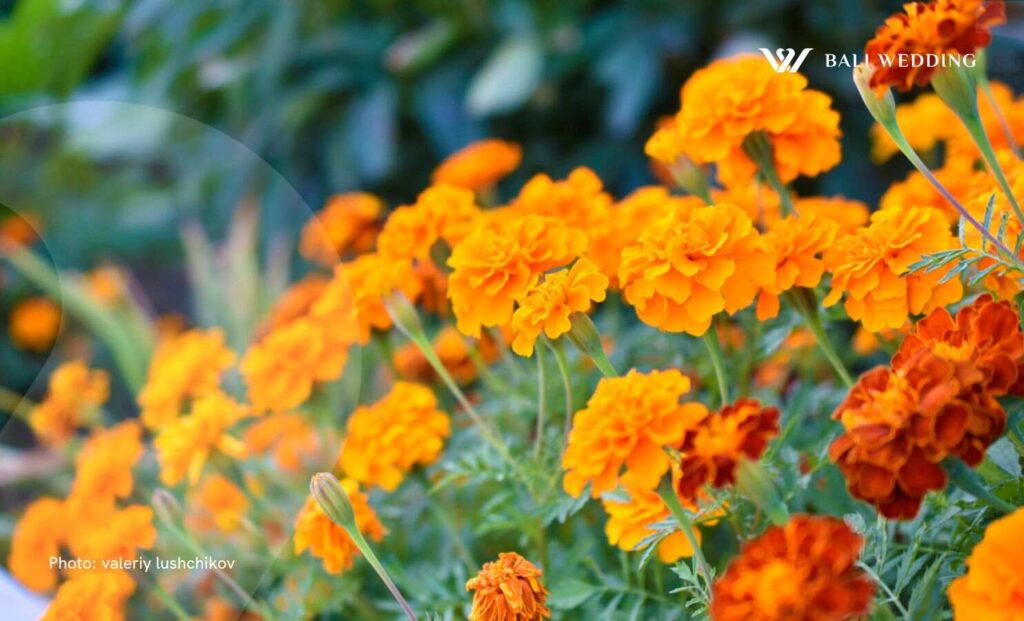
x: 797, y: 244
x: 184, y: 445
x: 34, y: 324
x: 110, y: 534
x: 732, y: 98
x: 957, y: 175
x: 453, y: 351
x: 34, y: 542
x: 499, y: 262
x: 106, y: 284
x: 692, y: 264
x: 941, y: 27
x: 441, y: 212
x: 358, y: 290
x: 287, y: 437
x: 630, y: 523
x: 347, y: 222
x: 866, y: 342
x: 103, y: 466
x: 627, y: 423
x: 185, y: 367
x: 17, y: 230
x: 579, y: 201
x: 756, y: 199
x: 479, y: 165
x: 72, y: 400
x: 547, y: 306
x: 295, y: 303
x: 871, y: 266
x: 993, y: 587
x: 847, y: 214
x: 93, y: 595
x: 324, y: 539
x: 508, y: 589
x: 221, y: 504
x: 714, y: 445
x: 385, y: 440
x: 1003, y: 223
x: 805, y: 570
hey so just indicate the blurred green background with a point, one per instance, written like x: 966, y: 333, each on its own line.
x: 338, y: 95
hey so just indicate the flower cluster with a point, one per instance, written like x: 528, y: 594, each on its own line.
x: 72, y: 398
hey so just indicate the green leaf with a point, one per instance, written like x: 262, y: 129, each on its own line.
x: 507, y: 79
x: 571, y: 593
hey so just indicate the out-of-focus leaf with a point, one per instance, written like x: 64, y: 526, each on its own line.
x: 630, y: 71
x: 507, y: 79
x: 421, y: 48
x: 571, y: 593
x: 440, y: 111
x: 370, y: 132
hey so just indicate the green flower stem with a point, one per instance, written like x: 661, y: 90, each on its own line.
x: 977, y: 132
x: 802, y: 301
x: 969, y: 481
x: 671, y: 499
x: 714, y: 347
x: 169, y: 602
x: 558, y: 349
x: 335, y: 502
x: 759, y: 149
x: 585, y: 336
x: 538, y: 442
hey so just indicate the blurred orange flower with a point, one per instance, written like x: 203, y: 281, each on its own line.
x: 103, y: 466
x: 324, y: 539
x: 940, y: 27
x: 73, y: 398
x: 441, y: 212
x: 846, y: 213
x: 184, y: 445
x: 732, y: 98
x: 508, y: 589
x: 96, y: 595
x: 385, y: 440
x: 627, y: 424
x: 692, y: 264
x: 579, y: 201
x: 993, y: 587
x: 347, y: 222
x: 479, y: 165
x: 871, y: 266
x: 34, y: 323
x: 797, y: 244
x: 359, y: 287
x: 221, y: 504
x: 957, y: 175
x: 110, y: 534
x: 803, y: 571
x: 295, y: 303
x: 453, y: 351
x: 290, y: 440
x: 547, y: 306
x: 34, y: 542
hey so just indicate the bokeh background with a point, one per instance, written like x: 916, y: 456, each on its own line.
x: 331, y: 96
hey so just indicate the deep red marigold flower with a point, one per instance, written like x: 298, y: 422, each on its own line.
x: 802, y: 571
x: 942, y: 27
x: 711, y: 449
x: 508, y: 589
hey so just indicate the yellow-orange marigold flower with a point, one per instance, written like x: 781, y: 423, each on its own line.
x: 441, y: 212
x: 692, y: 264
x: 498, y: 263
x: 295, y: 303
x: 631, y: 520
x: 221, y: 504
x: 184, y: 445
x: 847, y: 214
x: 547, y: 306
x: 359, y: 287
x: 185, y: 367
x: 508, y: 589
x: 451, y: 349
x: 957, y: 175
x: 36, y: 540
x: 940, y: 27
x: 871, y: 266
x: 93, y: 595
x: 347, y: 222
x: 324, y: 539
x: 479, y: 165
x: 984, y: 191
x: 805, y: 570
x: 626, y: 425
x: 713, y: 447
x: 385, y: 440
x: 732, y: 98
x: 106, y: 284
x: 993, y: 587
x: 797, y: 244
x: 109, y: 534
x: 579, y: 201
x: 73, y: 397
x: 103, y: 466
x: 290, y: 440
x: 755, y: 198
x: 34, y: 324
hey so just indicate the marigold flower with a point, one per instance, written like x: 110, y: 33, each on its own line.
x: 941, y: 27
x: 103, y: 466
x: 184, y: 445
x: 441, y: 212
x: 804, y: 570
x: 451, y: 349
x: 385, y: 440
x: 761, y: 203
x: 35, y: 540
x: 547, y: 306
x: 993, y: 587
x: 508, y: 589
x: 957, y: 175
x: 627, y: 423
x: 871, y: 267
x: 221, y: 504
x: 106, y: 284
x: 479, y: 165
x: 94, y: 595
x: 499, y: 262
x: 109, y: 534
x: 692, y: 264
x: 288, y: 437
x: 347, y: 222
x: 187, y: 366
x: 324, y: 539
x: 630, y: 522
x: 18, y: 230
x: 359, y: 287
x: 847, y: 214
x: 797, y: 244
x: 295, y: 303
x: 73, y: 398
x: 714, y: 445
x: 34, y: 324
x: 732, y: 98
x: 579, y: 201
x: 866, y: 342
x: 985, y: 193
